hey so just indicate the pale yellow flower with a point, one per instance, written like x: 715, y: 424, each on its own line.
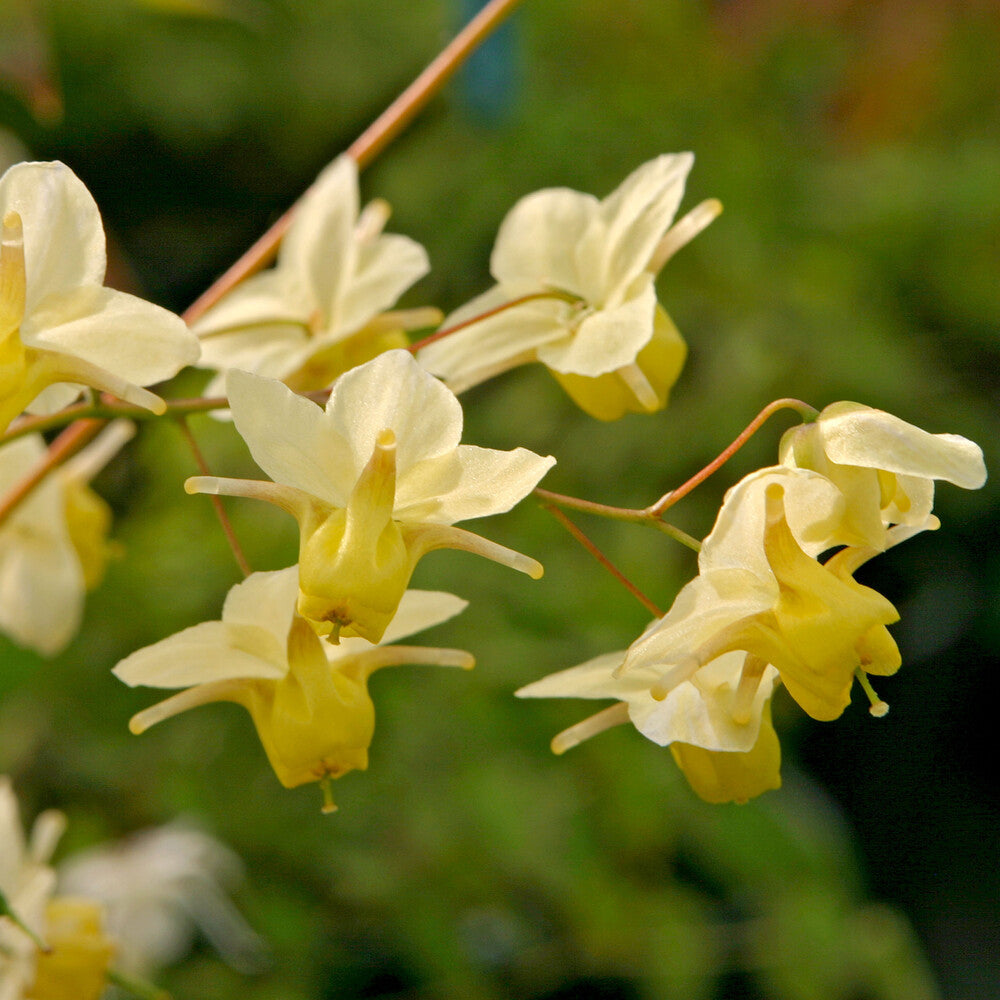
x: 308, y: 699
x: 60, y: 328
x: 53, y: 546
x: 376, y: 480
x: 590, y: 268
x: 717, y: 725
x: 761, y: 593
x: 75, y: 963
x: 884, y: 466
x: 325, y: 307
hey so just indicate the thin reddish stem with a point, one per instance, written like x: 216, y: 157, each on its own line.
x: 72, y: 440
x: 604, y: 560
x: 369, y: 144
x: 454, y: 328
x: 669, y: 499
x: 220, y: 511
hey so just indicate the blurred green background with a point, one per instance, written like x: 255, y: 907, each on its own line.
x: 857, y: 151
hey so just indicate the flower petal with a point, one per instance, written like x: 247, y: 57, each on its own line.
x: 422, y: 609
x: 608, y: 338
x: 289, y: 439
x: 858, y: 435
x: 319, y: 247
x: 533, y: 249
x: 504, y: 340
x: 470, y: 482
x: 63, y: 235
x: 266, y: 600
x: 813, y: 505
x: 136, y: 340
x: 631, y: 221
x: 392, y: 392
x: 271, y: 297
x: 271, y: 350
x: 385, y: 269
x: 197, y: 655
x: 41, y: 589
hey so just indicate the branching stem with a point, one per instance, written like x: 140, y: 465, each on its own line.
x: 669, y: 499
x: 220, y: 511
x: 604, y: 560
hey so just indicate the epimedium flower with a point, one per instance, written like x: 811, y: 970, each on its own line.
x: 325, y: 307
x: 884, y: 466
x: 51, y: 947
x: 376, y: 480
x: 587, y: 270
x: 717, y: 724
x: 308, y: 699
x: 53, y: 546
x: 758, y: 591
x: 160, y: 886
x: 60, y: 328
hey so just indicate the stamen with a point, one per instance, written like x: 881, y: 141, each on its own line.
x: 326, y: 786
x: 634, y: 377
x: 575, y: 735
x: 683, y: 231
x: 878, y: 707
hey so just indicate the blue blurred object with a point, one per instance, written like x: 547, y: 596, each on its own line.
x: 488, y: 83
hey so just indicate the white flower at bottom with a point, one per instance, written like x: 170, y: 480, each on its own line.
x: 76, y: 955
x: 158, y: 887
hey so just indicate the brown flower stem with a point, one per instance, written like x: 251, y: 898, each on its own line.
x: 604, y: 560
x: 455, y: 327
x: 669, y: 499
x: 72, y: 440
x: 619, y: 514
x: 369, y: 144
x: 220, y: 511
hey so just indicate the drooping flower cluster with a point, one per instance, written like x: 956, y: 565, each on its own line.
x: 764, y: 609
